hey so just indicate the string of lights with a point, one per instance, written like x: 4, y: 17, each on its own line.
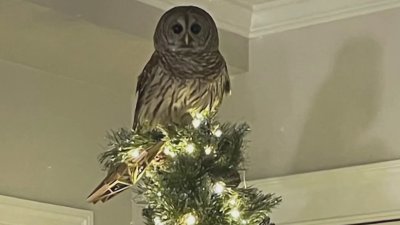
x: 194, y: 179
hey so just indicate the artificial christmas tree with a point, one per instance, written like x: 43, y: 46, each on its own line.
x: 196, y: 180
x: 183, y: 162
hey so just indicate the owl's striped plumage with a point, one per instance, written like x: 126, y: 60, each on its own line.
x: 185, y: 75
x: 168, y: 92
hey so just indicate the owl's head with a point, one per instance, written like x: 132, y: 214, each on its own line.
x: 186, y: 29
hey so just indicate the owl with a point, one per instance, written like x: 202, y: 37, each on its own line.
x: 186, y: 75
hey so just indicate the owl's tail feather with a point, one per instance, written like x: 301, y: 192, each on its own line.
x: 135, y: 124
x: 125, y: 175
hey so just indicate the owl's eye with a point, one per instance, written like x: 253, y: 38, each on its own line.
x: 195, y: 28
x: 177, y: 28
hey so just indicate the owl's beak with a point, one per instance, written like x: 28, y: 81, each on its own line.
x: 187, y: 39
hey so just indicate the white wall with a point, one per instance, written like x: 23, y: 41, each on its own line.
x: 322, y: 97
x: 49, y: 140
x: 63, y: 83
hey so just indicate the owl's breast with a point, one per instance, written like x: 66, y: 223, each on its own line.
x: 172, y: 101
x: 201, y: 95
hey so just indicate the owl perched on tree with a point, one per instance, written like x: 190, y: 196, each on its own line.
x: 186, y: 73
x: 185, y: 76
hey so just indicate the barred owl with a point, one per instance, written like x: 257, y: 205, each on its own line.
x: 186, y: 74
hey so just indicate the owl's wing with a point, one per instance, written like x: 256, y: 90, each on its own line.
x: 227, y: 82
x: 144, y: 81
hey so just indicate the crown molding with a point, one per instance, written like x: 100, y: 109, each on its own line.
x: 15, y: 211
x: 354, y: 195
x: 229, y: 15
x: 351, y: 195
x: 253, y: 19
x: 282, y: 15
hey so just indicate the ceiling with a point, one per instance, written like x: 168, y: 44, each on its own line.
x: 256, y: 18
x: 251, y: 3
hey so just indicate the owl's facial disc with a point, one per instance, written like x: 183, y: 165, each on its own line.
x: 186, y: 35
x: 186, y: 29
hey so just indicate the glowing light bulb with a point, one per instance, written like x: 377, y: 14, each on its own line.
x: 190, y: 219
x: 208, y: 150
x: 190, y: 148
x: 168, y: 151
x: 218, y: 133
x: 235, y: 213
x: 197, y: 120
x: 219, y: 187
x: 232, y: 202
x: 157, y: 221
x: 149, y: 174
x: 196, y: 123
x: 134, y: 153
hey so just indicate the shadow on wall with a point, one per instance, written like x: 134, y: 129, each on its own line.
x: 343, y: 110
